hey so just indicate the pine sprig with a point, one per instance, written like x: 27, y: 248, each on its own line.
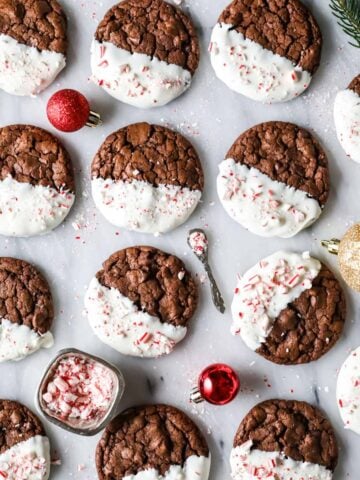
x: 348, y: 14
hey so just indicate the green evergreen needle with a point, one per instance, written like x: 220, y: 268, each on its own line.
x: 348, y: 14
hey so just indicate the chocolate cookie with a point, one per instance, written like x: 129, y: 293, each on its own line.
x: 355, y: 85
x: 289, y: 308
x: 266, y: 50
x: 152, y: 441
x: 26, y: 310
x: 145, y: 52
x: 32, y: 45
x: 274, y: 180
x: 284, y: 439
x: 147, y: 178
x: 37, y: 186
x: 347, y: 119
x: 24, y: 446
x: 141, y: 302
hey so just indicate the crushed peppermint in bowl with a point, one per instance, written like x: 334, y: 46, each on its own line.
x: 80, y: 392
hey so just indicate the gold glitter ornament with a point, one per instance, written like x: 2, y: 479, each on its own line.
x: 348, y: 251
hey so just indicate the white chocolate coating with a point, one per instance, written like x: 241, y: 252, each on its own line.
x: 141, y: 206
x: 28, y: 460
x: 19, y: 341
x: 266, y: 289
x: 249, y: 464
x: 195, y: 468
x: 27, y: 210
x: 248, y: 68
x: 26, y: 70
x: 348, y: 392
x: 263, y: 206
x: 347, y: 122
x: 118, y: 322
x: 136, y: 78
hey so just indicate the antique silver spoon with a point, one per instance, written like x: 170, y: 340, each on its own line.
x: 198, y: 242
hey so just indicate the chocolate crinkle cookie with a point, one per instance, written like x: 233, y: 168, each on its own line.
x: 284, y: 439
x: 147, y: 178
x: 274, y: 180
x: 141, y: 302
x: 347, y: 119
x: 289, y: 308
x: 145, y: 52
x: 33, y: 45
x: 153, y: 441
x: 37, y: 188
x: 26, y: 310
x: 24, y: 446
x: 266, y: 50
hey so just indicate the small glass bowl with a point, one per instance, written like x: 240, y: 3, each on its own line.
x: 77, y: 426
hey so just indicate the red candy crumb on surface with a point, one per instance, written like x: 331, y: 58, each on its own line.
x: 68, y: 110
x: 219, y: 384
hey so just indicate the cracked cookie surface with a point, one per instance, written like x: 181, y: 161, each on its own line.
x: 295, y: 428
x: 154, y: 28
x: 149, y: 153
x: 25, y: 297
x: 32, y: 155
x: 286, y: 153
x: 150, y: 437
x: 36, y: 23
x: 17, y: 424
x: 285, y: 27
x: 310, y: 326
x: 355, y: 85
x: 156, y: 282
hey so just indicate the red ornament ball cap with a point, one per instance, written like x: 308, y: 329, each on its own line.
x: 218, y: 384
x: 68, y: 110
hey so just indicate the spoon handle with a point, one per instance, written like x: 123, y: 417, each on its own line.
x: 215, y: 292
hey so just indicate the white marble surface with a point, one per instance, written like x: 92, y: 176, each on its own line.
x: 212, y: 116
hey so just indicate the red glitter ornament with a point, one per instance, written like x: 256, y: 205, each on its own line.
x: 68, y: 111
x: 218, y: 384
